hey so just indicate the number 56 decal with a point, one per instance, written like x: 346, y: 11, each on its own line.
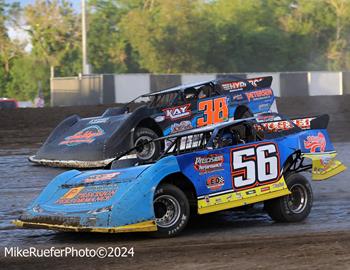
x: 254, y: 165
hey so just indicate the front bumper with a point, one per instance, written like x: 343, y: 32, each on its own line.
x: 145, y: 226
x: 71, y: 163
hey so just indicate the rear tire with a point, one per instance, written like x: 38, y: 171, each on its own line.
x: 172, y: 210
x: 148, y: 152
x: 294, y: 207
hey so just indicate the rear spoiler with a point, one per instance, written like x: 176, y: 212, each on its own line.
x: 304, y: 123
x: 237, y: 84
x: 320, y: 122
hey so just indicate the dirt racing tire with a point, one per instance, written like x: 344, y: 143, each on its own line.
x: 294, y: 207
x: 148, y: 152
x: 171, y: 209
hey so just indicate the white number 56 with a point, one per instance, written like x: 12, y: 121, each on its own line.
x: 254, y: 164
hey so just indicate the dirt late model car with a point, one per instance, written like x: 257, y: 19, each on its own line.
x: 94, y: 142
x: 204, y: 170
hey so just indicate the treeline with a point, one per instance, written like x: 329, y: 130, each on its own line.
x: 170, y: 36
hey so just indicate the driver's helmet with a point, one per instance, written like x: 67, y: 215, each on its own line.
x: 227, y: 139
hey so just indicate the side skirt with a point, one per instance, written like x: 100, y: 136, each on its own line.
x: 232, y: 199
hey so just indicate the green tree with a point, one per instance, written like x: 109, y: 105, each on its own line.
x: 9, y: 49
x: 25, y: 78
x: 173, y: 36
x: 108, y: 50
x: 55, y: 34
x: 169, y: 36
x: 310, y: 27
x: 338, y: 52
x: 245, y: 37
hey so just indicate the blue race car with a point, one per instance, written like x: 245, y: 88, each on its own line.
x: 203, y: 170
x: 94, y: 142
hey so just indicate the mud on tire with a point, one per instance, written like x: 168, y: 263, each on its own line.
x: 172, y: 210
x: 294, y: 207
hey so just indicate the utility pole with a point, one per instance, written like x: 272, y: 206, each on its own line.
x: 86, y: 66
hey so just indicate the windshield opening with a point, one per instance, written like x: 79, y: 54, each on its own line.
x: 166, y: 100
x: 200, y: 92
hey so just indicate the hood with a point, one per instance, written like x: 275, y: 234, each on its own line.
x: 84, y: 192
x: 83, y: 139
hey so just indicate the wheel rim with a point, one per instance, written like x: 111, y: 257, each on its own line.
x: 167, y: 211
x: 146, y: 151
x: 298, y: 199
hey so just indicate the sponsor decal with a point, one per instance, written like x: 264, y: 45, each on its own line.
x: 254, y: 82
x: 250, y: 192
x: 303, y: 123
x: 278, y: 185
x: 218, y: 200
x: 86, y: 135
x: 214, y: 111
x: 101, y: 177
x: 98, y: 121
x: 239, y: 195
x: 207, y: 200
x: 264, y: 189
x: 275, y: 126
x: 327, y: 161
x: 183, y: 125
x: 238, y: 85
x: 215, y: 182
x: 264, y: 117
x: 264, y: 106
x: 234, y: 85
x: 159, y: 118
x: 237, y: 97
x: 209, y: 163
x: 326, y: 164
x: 284, y: 125
x: 72, y: 193
x: 178, y: 112
x: 87, y: 195
x: 229, y: 197
x: 259, y: 94
x: 314, y: 142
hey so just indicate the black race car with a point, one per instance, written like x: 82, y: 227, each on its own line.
x: 94, y: 142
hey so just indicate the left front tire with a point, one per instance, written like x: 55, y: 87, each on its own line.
x: 172, y: 210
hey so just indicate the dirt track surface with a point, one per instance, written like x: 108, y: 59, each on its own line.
x: 223, y: 240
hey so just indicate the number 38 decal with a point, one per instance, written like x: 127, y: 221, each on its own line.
x: 254, y: 165
x: 214, y: 111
